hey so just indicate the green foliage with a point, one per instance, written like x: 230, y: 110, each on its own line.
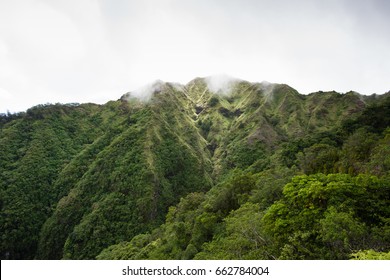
x: 88, y: 181
x: 370, y: 255
x: 205, y: 126
x: 225, y: 112
x: 213, y: 101
x: 318, y: 158
x: 148, y: 173
x: 108, y: 223
x: 379, y: 161
x: 35, y: 147
x: 341, y: 231
x: 243, y: 237
x: 126, y: 250
x: 269, y: 186
x: 194, y: 221
x: 243, y: 155
x: 329, y: 216
x: 356, y: 151
x: 375, y: 117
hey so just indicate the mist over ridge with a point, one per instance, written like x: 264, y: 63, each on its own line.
x: 171, y: 166
x: 220, y: 84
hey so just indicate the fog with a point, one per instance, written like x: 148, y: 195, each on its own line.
x: 220, y: 83
x: 96, y: 50
x: 145, y: 93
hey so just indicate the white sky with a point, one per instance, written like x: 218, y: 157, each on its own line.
x: 96, y: 50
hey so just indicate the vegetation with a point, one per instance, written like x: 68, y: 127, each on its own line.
x: 261, y: 173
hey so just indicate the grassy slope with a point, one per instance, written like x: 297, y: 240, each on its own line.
x: 98, y: 175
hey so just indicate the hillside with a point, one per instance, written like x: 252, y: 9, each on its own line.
x: 244, y: 170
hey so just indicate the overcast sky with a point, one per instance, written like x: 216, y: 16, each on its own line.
x: 96, y: 50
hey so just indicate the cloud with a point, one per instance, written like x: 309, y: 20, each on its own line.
x: 221, y: 83
x: 40, y: 36
x: 4, y: 94
x: 146, y: 92
x: 95, y: 50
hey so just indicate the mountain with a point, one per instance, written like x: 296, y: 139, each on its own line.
x: 173, y: 171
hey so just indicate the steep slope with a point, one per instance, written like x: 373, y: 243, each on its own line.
x: 244, y: 126
x: 76, y: 179
x: 155, y: 158
x: 34, y: 149
x: 270, y: 214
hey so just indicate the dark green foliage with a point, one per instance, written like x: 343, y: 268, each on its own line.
x: 244, y: 154
x: 243, y: 237
x: 213, y: 101
x: 205, y: 126
x: 145, y: 177
x: 379, y: 163
x: 375, y: 117
x: 193, y: 175
x: 225, y: 112
x: 8, y: 117
x: 194, y: 221
x: 269, y: 186
x: 318, y: 158
x: 108, y: 223
x: 33, y: 153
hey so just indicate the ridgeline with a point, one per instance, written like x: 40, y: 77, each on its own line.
x: 247, y: 171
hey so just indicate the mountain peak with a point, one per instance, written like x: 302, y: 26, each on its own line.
x: 146, y: 92
x: 113, y: 171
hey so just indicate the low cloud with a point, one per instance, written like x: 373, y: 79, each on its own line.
x: 267, y: 89
x: 146, y: 92
x: 221, y: 84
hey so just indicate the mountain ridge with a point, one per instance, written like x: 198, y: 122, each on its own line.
x: 98, y: 175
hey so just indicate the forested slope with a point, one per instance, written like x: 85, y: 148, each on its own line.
x: 254, y: 170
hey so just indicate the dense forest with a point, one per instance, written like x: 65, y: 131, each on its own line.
x: 252, y: 171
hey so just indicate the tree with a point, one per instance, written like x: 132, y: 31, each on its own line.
x: 328, y: 216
